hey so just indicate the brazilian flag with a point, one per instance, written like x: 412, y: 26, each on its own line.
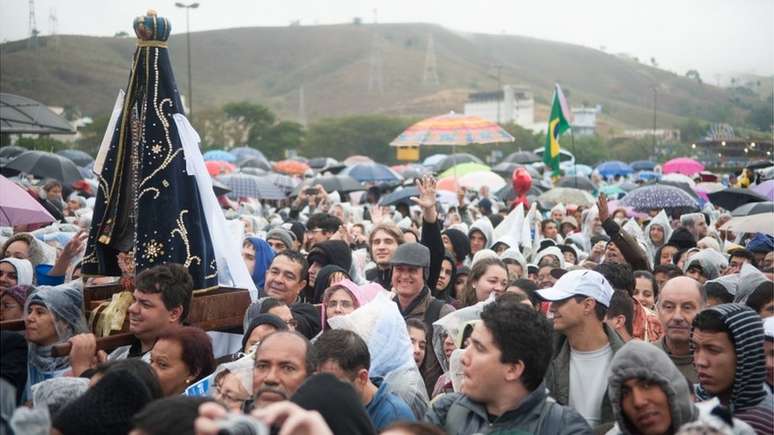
x: 558, y: 123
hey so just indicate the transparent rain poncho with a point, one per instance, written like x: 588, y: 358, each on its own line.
x: 380, y: 324
x: 452, y: 325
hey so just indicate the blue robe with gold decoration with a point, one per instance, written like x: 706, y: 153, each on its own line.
x: 146, y: 202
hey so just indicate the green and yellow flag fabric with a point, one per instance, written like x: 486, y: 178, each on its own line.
x: 558, y: 123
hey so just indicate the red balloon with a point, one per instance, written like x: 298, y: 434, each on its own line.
x: 522, y: 182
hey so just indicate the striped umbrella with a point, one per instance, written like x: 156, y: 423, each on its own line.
x: 452, y: 129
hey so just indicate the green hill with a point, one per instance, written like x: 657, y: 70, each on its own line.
x: 269, y: 65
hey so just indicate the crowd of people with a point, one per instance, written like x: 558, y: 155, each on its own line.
x: 419, y: 318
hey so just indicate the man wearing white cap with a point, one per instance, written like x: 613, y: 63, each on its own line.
x: 585, y: 345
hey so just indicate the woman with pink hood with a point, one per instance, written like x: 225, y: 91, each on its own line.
x: 345, y: 297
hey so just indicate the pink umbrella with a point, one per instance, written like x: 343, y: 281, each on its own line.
x: 17, y: 207
x: 682, y: 165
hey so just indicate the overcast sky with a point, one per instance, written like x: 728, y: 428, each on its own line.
x: 713, y: 36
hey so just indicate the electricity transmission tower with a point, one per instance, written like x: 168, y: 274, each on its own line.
x: 430, y: 75
x: 33, y: 27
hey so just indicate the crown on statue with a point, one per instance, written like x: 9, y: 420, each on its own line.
x: 151, y: 27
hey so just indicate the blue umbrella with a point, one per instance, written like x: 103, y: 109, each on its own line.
x: 643, y: 165
x: 614, y: 167
x: 371, y: 172
x: 648, y: 175
x: 219, y: 155
x: 658, y: 196
x: 244, y: 153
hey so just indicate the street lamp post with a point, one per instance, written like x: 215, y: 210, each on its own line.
x: 655, y: 99
x: 188, y: 8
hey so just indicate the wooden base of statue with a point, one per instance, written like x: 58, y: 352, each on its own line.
x: 219, y: 309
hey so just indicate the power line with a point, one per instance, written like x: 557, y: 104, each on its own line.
x: 430, y: 75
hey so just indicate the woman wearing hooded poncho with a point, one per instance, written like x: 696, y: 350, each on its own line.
x: 52, y: 315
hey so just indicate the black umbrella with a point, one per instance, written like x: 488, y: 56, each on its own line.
x: 507, y: 193
x: 331, y: 183
x: 522, y: 157
x: 734, y: 197
x: 576, y: 181
x: 46, y: 165
x: 219, y: 188
x: 753, y: 208
x: 455, y: 159
x: 80, y: 158
x: 11, y: 151
x: 400, y: 196
x: 507, y: 168
x: 760, y: 164
x: 256, y: 162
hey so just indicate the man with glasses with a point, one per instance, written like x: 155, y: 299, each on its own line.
x: 319, y: 228
x: 577, y: 375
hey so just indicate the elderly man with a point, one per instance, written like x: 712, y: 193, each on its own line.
x: 283, y: 361
x: 680, y: 300
x: 696, y: 224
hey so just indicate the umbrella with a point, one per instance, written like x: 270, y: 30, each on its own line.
x: 766, y: 189
x: 577, y: 182
x: 577, y: 169
x: 291, y: 167
x: 244, y: 185
x: 613, y: 191
x: 708, y: 176
x: 323, y: 162
x: 46, y: 165
x: 754, y: 208
x: 507, y: 194
x: 256, y: 162
x: 356, y: 159
x: 219, y: 155
x: 216, y: 168
x: 522, y: 157
x: 331, y: 183
x: 682, y: 165
x: 709, y: 187
x: 642, y: 165
x: 452, y: 129
x: 411, y: 171
x: 757, y: 223
x: 464, y: 169
x: 219, y: 188
x: 244, y: 153
x: 507, y: 168
x: 371, y: 172
x: 400, y: 196
x: 449, y: 184
x: 648, y: 175
x: 657, y: 196
x: 18, y: 207
x: 433, y: 160
x: 455, y: 159
x: 567, y: 195
x: 628, y: 186
x: 759, y: 164
x: 285, y: 182
x: 80, y: 158
x: 734, y: 197
x: 682, y: 186
x: 613, y: 168
x: 11, y: 151
x: 475, y: 180
x: 254, y: 171
x: 678, y: 178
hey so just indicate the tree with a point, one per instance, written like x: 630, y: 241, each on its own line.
x: 762, y: 115
x: 692, y: 130
x: 43, y: 143
x: 92, y: 134
x: 342, y: 137
x: 693, y: 74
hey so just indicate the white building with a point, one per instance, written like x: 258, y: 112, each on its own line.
x: 584, y: 121
x: 514, y: 104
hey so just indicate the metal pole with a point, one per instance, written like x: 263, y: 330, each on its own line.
x: 188, y: 44
x: 655, y: 98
